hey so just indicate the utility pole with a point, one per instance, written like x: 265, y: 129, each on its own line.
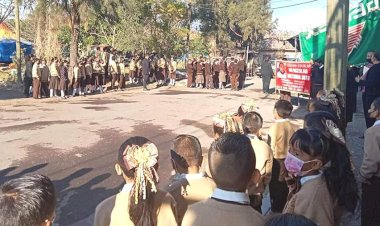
x: 336, y: 54
x: 18, y: 39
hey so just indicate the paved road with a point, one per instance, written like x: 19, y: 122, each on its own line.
x: 75, y: 141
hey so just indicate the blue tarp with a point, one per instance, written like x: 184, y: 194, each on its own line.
x: 8, y: 49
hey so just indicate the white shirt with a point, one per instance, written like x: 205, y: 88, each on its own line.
x: 34, y: 70
x: 127, y: 188
x: 194, y: 176
x: 282, y: 120
x: 377, y: 123
x: 252, y: 136
x: 308, y: 178
x: 239, y: 197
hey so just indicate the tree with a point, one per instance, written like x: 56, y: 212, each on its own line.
x: 251, y: 26
x: 6, y: 9
x: 72, y: 9
x: 231, y: 22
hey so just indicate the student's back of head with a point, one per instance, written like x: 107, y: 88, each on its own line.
x: 27, y: 201
x: 289, y: 220
x: 142, y: 171
x: 283, y: 109
x: 232, y: 162
x: 187, y: 153
x: 252, y: 123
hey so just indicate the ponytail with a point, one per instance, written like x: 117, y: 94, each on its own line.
x: 339, y: 176
x: 338, y: 172
x: 138, y: 158
x: 141, y: 212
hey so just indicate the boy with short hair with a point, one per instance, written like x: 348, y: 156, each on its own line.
x: 278, y: 137
x: 27, y: 201
x: 232, y: 166
x: 252, y: 124
x: 188, y: 185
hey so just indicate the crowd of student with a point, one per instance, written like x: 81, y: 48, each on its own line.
x: 91, y: 74
x: 217, y: 73
x: 308, y: 171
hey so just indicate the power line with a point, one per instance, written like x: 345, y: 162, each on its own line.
x: 287, y: 6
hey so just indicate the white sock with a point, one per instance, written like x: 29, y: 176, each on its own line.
x: 62, y: 93
x: 51, y: 92
x: 74, y: 92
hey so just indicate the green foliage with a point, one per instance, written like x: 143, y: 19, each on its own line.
x: 163, y: 25
x: 253, y: 26
x: 199, y: 46
x: 64, y: 36
x: 231, y: 21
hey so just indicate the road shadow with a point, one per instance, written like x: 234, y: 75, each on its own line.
x: 83, y: 182
x: 202, y: 126
x: 9, y: 93
x: 96, y: 108
x: 6, y: 176
x: 35, y: 125
x: 83, y: 190
x: 102, y: 101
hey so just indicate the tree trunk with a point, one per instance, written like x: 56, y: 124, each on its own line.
x: 41, y: 29
x: 75, y: 29
x: 18, y: 39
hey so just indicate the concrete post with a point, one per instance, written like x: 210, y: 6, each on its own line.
x: 336, y: 55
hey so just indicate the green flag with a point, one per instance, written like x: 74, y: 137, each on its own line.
x: 363, y: 34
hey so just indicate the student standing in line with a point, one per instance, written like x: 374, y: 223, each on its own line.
x: 172, y: 71
x: 232, y: 167
x: 188, y: 185
x: 279, y: 135
x: 122, y: 73
x: 28, y: 80
x: 63, y: 71
x: 326, y: 183
x: 77, y: 82
x: 252, y: 125
x: 45, y: 75
x: 370, y: 170
x: 54, y: 77
x: 36, y: 75
x: 208, y: 75
x: 139, y: 202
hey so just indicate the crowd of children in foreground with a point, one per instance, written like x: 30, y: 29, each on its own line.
x: 308, y: 171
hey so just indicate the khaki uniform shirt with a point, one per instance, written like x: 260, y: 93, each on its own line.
x: 264, y: 163
x: 189, y: 189
x: 53, y: 70
x: 279, y: 136
x: 114, y: 211
x: 314, y: 202
x: 218, y: 213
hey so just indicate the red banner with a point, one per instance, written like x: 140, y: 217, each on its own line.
x: 293, y: 76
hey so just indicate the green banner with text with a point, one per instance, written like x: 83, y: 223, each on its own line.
x: 363, y: 34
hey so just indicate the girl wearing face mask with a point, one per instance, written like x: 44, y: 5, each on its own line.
x: 323, y: 171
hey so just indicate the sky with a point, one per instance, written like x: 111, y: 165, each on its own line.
x: 299, y: 18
